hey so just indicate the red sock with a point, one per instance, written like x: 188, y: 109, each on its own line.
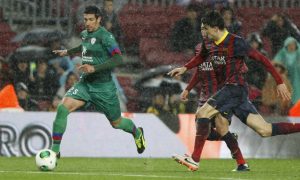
x: 285, y: 128
x: 233, y: 146
x: 202, y: 125
x: 214, y: 135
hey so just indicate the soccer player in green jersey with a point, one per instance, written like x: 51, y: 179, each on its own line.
x: 100, y: 54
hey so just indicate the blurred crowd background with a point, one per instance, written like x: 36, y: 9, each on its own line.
x: 155, y: 36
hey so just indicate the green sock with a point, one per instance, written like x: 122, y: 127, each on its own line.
x: 59, y: 127
x: 127, y: 125
x: 55, y: 147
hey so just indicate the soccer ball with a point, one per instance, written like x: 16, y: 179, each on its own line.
x: 46, y: 160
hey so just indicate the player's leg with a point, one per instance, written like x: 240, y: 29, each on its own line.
x: 222, y: 126
x: 214, y: 135
x: 108, y: 103
x: 265, y: 129
x: 202, y: 131
x: 248, y: 114
x: 74, y: 99
x: 128, y: 125
x: 222, y: 102
x: 219, y: 103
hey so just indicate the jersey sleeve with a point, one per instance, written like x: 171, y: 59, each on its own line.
x: 201, y: 54
x: 194, y: 80
x: 111, y: 45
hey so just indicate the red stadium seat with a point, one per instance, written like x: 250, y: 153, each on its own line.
x: 153, y: 10
x: 4, y: 27
x: 147, y: 45
x: 130, y: 9
x: 126, y: 83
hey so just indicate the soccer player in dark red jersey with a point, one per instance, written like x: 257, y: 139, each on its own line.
x: 209, y: 85
x: 227, y: 55
x: 206, y: 130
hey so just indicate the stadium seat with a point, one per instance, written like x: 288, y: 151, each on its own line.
x: 4, y: 27
x: 6, y: 34
x: 153, y: 10
x: 126, y: 83
x: 130, y: 8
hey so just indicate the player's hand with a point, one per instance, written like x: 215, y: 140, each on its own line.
x: 86, y: 68
x: 177, y: 71
x: 283, y: 92
x: 60, y: 52
x: 184, y: 95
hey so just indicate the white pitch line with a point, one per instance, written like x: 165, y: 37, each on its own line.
x: 115, y: 174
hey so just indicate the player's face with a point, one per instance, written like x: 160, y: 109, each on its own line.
x: 292, y: 47
x: 211, y: 32
x: 203, y: 33
x: 91, y: 22
x: 108, y: 6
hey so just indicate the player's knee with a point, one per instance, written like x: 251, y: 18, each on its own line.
x: 116, y: 124
x: 202, y: 114
x: 264, y: 132
x: 62, y: 111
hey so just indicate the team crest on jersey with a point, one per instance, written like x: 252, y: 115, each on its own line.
x: 93, y: 40
x: 83, y: 50
x: 206, y: 66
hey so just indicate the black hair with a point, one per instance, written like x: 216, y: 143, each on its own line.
x: 93, y: 10
x: 213, y: 19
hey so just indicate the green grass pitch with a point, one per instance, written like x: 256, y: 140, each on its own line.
x: 147, y: 168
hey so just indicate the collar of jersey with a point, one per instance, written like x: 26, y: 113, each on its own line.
x: 222, y: 38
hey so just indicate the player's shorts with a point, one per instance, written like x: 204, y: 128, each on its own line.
x: 201, y: 102
x: 233, y: 99
x: 102, y: 95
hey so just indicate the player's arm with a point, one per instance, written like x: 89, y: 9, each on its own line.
x: 74, y: 50
x: 192, y: 83
x: 194, y: 62
x: 68, y: 52
x: 114, y: 61
x: 281, y: 87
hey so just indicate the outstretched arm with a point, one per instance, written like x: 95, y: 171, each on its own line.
x: 194, y: 62
x: 67, y: 52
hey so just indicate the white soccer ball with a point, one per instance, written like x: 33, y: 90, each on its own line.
x: 46, y: 160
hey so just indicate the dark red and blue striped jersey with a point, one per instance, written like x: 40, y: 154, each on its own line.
x: 228, y: 59
x: 204, y: 75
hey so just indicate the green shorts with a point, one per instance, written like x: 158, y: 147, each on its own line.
x: 102, y: 95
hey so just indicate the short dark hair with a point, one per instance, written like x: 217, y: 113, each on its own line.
x: 213, y: 19
x: 93, y: 10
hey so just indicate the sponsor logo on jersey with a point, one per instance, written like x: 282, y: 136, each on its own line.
x: 87, y: 59
x: 93, y: 40
x: 206, y: 66
x: 219, y: 60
